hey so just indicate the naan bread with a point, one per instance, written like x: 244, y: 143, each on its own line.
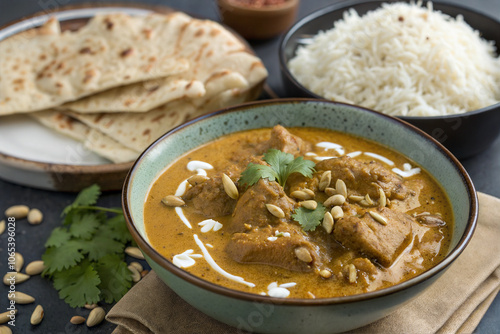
x: 46, y: 70
x: 174, y: 68
x: 216, y: 58
x: 62, y: 123
x: 92, y: 139
x: 139, y: 97
x: 109, y: 148
x: 229, y: 72
x: 138, y: 130
x: 49, y: 28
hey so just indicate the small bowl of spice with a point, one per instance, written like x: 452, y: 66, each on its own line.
x: 258, y: 19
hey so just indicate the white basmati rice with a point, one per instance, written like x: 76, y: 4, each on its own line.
x: 401, y: 59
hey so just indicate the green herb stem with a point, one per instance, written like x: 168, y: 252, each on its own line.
x: 100, y: 208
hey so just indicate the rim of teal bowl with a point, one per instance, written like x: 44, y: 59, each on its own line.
x: 246, y: 296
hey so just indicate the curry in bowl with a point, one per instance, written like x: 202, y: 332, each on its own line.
x: 298, y: 213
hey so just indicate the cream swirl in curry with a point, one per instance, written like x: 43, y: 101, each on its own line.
x: 343, y: 215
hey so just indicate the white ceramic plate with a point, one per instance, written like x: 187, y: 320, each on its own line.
x: 23, y: 137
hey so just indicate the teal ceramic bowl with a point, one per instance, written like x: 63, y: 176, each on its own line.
x: 264, y: 314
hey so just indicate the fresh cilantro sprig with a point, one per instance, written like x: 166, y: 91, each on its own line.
x: 281, y: 166
x: 309, y: 219
x: 84, y: 257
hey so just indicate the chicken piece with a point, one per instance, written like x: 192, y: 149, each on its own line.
x: 381, y: 241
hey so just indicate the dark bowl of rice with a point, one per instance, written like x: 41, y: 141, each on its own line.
x: 446, y: 84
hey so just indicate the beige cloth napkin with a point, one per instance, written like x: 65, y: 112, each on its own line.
x: 454, y: 304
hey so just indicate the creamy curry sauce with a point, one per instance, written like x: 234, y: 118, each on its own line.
x: 201, y: 243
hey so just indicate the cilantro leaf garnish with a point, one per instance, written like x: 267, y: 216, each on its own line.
x: 278, y: 161
x: 87, y: 196
x: 299, y: 165
x: 255, y: 172
x: 281, y: 166
x: 84, y: 257
x: 58, y: 237
x: 118, y: 229
x: 101, y: 245
x: 115, y: 277
x: 78, y: 285
x: 63, y: 257
x: 309, y: 219
x: 84, y: 225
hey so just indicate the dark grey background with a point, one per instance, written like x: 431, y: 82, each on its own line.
x: 484, y: 170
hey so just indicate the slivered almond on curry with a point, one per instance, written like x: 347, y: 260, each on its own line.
x: 274, y: 235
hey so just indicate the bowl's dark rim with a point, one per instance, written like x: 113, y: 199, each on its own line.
x: 345, y: 5
x: 201, y: 283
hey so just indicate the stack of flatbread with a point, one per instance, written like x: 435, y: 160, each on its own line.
x: 120, y: 82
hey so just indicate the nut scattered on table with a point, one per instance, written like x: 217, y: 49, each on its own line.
x: 5, y: 330
x: 77, y: 320
x: 17, y: 211
x: 134, y: 252
x: 19, y: 261
x: 35, y: 216
x: 37, y: 315
x: 136, y: 275
x: 96, y: 316
x: 21, y: 297
x: 35, y: 267
x: 5, y: 316
x: 14, y: 278
x: 90, y: 306
x: 137, y: 266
